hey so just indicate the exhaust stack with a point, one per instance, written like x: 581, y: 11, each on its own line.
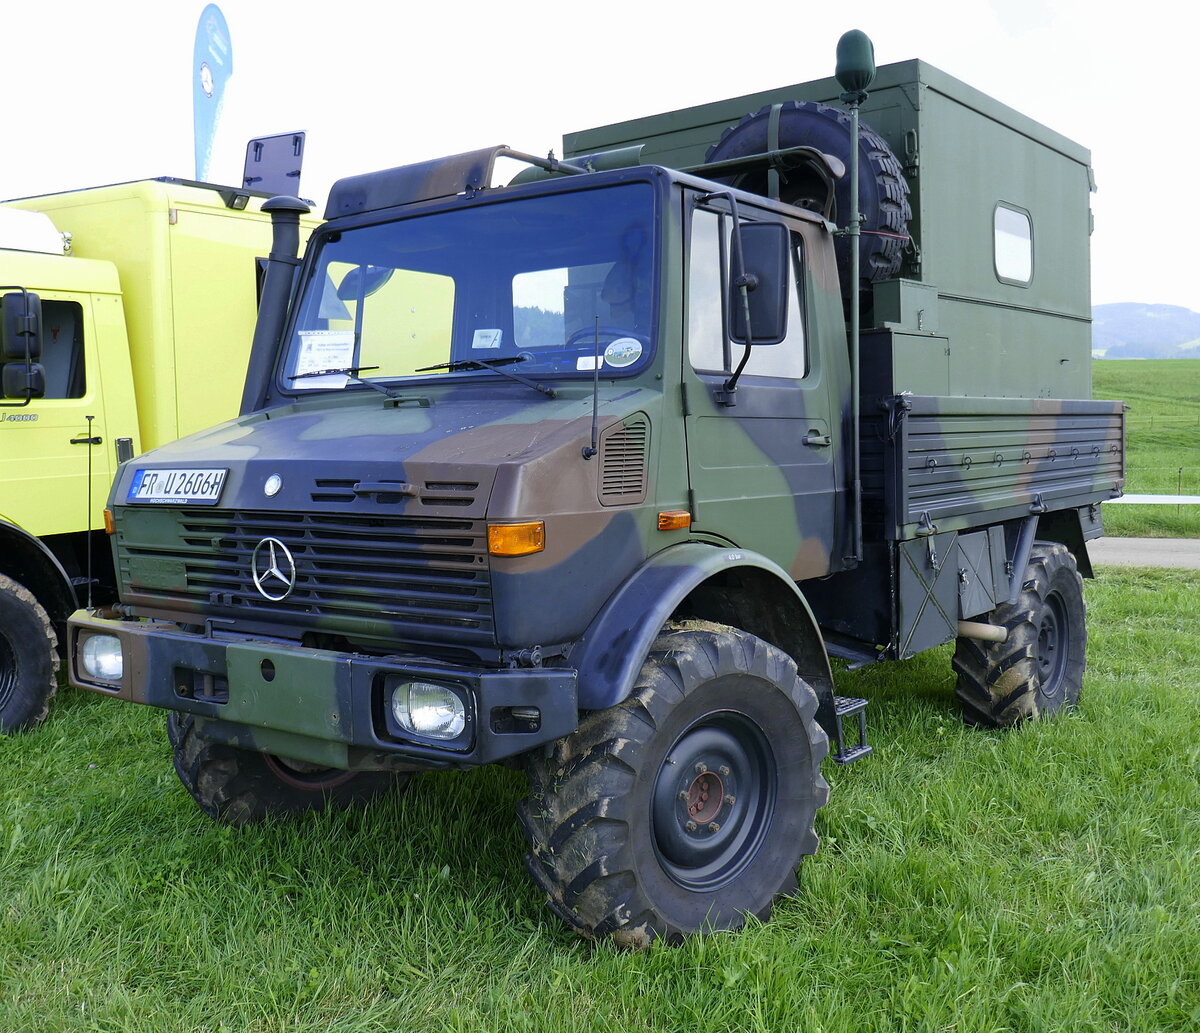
x: 285, y: 215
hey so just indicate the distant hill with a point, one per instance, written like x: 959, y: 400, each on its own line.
x: 1129, y: 330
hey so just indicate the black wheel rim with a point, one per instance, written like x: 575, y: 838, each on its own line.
x: 1052, y: 646
x: 713, y: 801
x: 310, y: 777
x: 8, y: 671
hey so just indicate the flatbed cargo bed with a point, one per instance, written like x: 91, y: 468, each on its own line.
x: 940, y: 464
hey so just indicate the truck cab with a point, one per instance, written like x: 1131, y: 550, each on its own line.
x: 417, y: 477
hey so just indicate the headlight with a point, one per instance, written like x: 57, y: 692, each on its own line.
x: 102, y: 658
x: 429, y: 709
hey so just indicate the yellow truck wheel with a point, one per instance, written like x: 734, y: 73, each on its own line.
x: 28, y: 658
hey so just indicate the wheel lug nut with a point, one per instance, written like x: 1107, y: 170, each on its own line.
x: 714, y: 827
x: 730, y: 800
x: 703, y: 797
x: 683, y: 794
x: 725, y: 770
x: 691, y: 826
x: 701, y: 768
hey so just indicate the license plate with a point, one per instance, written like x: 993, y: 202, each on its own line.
x: 194, y: 487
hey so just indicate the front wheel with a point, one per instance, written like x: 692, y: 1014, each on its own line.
x: 1038, y: 669
x: 689, y: 805
x: 243, y: 787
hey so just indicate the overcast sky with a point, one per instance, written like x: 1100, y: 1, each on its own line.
x: 101, y: 92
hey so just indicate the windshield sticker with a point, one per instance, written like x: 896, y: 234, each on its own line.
x: 487, y: 338
x: 324, y: 349
x: 624, y: 351
x: 587, y: 362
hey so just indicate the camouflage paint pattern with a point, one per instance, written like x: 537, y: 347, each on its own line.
x: 394, y: 584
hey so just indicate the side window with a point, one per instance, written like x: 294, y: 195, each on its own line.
x: 553, y: 307
x: 539, y: 308
x: 62, y: 349
x: 708, y: 261
x: 1013, y: 252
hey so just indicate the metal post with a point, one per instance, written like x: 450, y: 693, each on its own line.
x: 855, y: 240
x: 855, y: 71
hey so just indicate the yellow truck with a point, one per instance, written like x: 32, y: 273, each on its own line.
x: 147, y: 294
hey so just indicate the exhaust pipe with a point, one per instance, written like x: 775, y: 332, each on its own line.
x: 285, y: 215
x: 983, y: 632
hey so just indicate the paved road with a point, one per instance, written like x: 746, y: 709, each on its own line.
x: 1145, y: 552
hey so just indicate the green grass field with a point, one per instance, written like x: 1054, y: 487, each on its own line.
x: 1163, y: 441
x: 1046, y: 879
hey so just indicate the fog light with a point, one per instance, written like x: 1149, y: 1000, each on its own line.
x: 429, y: 709
x: 102, y: 658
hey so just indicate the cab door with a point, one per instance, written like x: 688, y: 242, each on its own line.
x: 762, y: 470
x: 49, y: 447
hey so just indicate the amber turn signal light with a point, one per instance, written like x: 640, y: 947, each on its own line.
x: 516, y: 539
x: 109, y: 526
x: 674, y: 520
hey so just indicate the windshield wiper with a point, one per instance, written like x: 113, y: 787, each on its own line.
x: 496, y: 366
x: 347, y: 371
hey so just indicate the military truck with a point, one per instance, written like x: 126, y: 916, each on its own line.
x: 146, y: 306
x: 585, y: 473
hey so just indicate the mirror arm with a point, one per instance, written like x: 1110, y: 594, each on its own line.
x: 745, y: 284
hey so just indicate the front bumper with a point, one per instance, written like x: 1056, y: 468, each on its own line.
x: 322, y: 706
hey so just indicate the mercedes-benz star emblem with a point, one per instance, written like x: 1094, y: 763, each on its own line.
x: 273, y: 570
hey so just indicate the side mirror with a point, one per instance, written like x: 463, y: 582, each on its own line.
x: 24, y: 380
x: 21, y: 327
x: 764, y: 247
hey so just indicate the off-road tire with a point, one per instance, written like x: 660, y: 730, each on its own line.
x: 1038, y: 670
x: 28, y: 658
x: 608, y: 809
x: 883, y: 193
x: 242, y: 787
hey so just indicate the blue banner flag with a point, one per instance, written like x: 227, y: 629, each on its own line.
x: 212, y: 67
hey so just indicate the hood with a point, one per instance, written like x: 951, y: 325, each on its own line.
x: 440, y: 453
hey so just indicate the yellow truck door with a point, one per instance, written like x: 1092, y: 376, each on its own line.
x: 49, y: 446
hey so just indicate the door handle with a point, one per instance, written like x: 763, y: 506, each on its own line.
x: 86, y: 441
x: 815, y: 439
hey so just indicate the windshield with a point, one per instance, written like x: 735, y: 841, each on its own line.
x: 537, y: 286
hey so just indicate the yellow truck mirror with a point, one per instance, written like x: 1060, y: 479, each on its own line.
x: 24, y: 380
x: 21, y: 326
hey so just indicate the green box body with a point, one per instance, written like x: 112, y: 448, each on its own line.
x: 963, y: 153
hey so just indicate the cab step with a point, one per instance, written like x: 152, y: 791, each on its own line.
x: 848, y: 706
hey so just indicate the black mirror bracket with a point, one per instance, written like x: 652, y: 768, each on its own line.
x: 724, y: 395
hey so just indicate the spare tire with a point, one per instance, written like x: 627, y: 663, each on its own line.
x: 882, y: 188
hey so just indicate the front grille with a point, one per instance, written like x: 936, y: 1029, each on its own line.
x: 391, y: 579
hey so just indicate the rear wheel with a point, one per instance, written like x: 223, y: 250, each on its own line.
x: 28, y: 658
x: 1039, y: 669
x: 242, y: 787
x: 690, y: 804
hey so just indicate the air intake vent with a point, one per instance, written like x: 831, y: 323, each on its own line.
x: 449, y: 493
x: 623, y: 451
x: 331, y: 490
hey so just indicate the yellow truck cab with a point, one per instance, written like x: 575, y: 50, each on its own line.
x: 148, y: 296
